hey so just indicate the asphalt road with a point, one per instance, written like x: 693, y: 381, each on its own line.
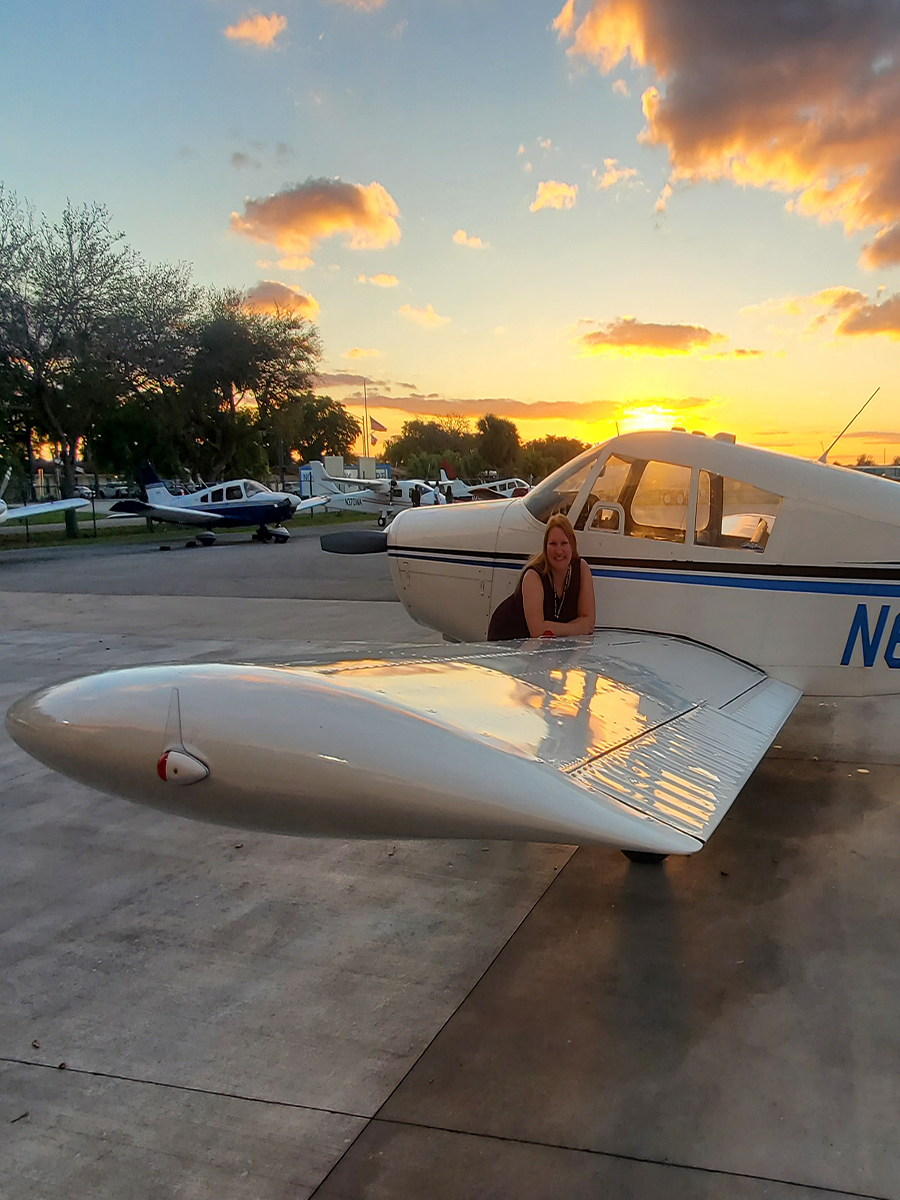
x: 234, y: 566
x: 193, y: 1011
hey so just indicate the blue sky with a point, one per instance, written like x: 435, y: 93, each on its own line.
x: 458, y: 110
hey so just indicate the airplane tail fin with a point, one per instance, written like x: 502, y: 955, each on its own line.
x: 321, y: 483
x: 150, y: 481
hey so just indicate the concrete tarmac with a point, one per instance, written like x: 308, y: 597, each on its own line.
x: 250, y: 1016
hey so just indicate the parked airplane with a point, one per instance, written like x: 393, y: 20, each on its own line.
x: 376, y: 497
x: 728, y: 580
x: 500, y: 489
x: 234, y: 504
x: 27, y: 511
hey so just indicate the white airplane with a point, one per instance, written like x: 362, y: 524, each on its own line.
x: 234, y: 504
x: 500, y: 489
x: 377, y: 497
x: 26, y: 511
x: 729, y: 581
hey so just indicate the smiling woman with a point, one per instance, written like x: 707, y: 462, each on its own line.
x: 555, y: 595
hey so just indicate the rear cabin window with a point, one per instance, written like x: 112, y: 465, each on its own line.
x: 734, y: 515
x: 216, y: 496
x: 234, y: 492
x: 204, y: 499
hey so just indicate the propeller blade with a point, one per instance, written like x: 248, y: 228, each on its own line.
x: 360, y: 541
x: 6, y: 479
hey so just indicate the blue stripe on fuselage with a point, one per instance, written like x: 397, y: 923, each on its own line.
x: 693, y: 575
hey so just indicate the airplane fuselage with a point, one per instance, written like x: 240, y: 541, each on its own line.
x: 814, y: 601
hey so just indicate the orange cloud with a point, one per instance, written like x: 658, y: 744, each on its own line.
x: 359, y: 352
x: 382, y: 280
x: 613, y: 174
x: 626, y: 335
x: 807, y: 105
x: 295, y: 262
x: 363, y: 5
x: 257, y: 29
x: 423, y: 316
x: 270, y: 296
x: 299, y: 217
x: 869, y: 319
x: 462, y: 239
x: 849, y: 310
x: 552, y: 194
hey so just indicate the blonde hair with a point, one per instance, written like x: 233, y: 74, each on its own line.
x: 538, y: 562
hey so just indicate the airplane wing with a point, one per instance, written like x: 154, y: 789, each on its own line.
x: 27, y: 511
x: 313, y: 502
x: 631, y: 740
x: 164, y: 512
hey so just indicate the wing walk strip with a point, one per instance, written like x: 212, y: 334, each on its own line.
x: 687, y: 771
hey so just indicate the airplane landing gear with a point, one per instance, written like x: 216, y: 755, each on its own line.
x: 382, y: 521
x: 645, y: 857
x: 279, y: 535
x: 206, y: 538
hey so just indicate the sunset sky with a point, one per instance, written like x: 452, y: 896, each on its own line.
x: 643, y: 211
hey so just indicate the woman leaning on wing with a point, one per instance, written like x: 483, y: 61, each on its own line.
x: 555, y: 594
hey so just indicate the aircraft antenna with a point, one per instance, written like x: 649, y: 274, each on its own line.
x: 825, y: 453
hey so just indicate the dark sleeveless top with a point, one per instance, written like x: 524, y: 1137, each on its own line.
x: 508, y: 621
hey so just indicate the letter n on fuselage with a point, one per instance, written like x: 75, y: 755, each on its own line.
x: 860, y: 628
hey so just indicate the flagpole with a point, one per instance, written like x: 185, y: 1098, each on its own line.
x: 366, y: 433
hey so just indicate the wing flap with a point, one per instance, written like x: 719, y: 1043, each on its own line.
x: 688, y: 771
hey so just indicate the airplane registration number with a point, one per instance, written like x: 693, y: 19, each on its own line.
x: 870, y: 638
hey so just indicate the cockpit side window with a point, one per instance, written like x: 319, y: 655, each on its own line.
x: 658, y: 503
x: 609, y: 487
x: 559, y: 491
x: 734, y: 515
x: 233, y: 492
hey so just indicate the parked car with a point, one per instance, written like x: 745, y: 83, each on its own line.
x: 84, y: 493
x: 113, y: 489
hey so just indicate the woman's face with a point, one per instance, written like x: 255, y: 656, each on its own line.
x: 559, y: 549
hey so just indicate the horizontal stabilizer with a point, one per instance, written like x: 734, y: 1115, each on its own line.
x: 165, y: 512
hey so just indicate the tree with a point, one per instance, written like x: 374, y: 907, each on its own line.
x: 542, y: 456
x: 865, y: 460
x: 63, y: 290
x: 316, y: 425
x: 498, y: 443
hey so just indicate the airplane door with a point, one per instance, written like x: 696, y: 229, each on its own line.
x: 632, y: 524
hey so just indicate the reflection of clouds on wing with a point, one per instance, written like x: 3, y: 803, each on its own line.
x: 808, y: 105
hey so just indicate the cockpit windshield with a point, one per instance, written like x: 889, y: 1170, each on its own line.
x: 255, y: 489
x: 558, y: 491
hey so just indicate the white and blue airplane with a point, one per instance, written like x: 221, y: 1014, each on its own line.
x: 234, y: 504
x: 381, y: 498
x: 733, y: 585
x: 27, y: 511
